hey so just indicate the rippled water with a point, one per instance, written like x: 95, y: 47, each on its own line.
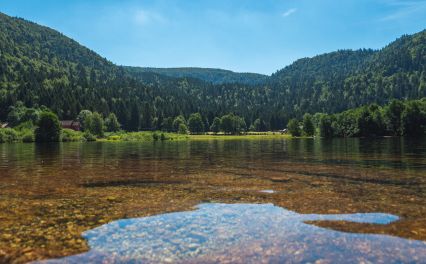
x: 260, y: 200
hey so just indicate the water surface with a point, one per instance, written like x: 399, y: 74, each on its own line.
x: 64, y: 200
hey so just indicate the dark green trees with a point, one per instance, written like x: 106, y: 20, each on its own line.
x: 392, y: 117
x: 177, y: 122
x: 195, y: 123
x: 293, y: 127
x: 39, y: 66
x: 326, y: 126
x: 84, y: 117
x: 370, y: 121
x: 308, y: 125
x: 232, y: 124
x: 111, y: 123
x: 216, y: 125
x: 48, y: 128
x: 182, y: 129
x: 414, y: 119
x: 97, y: 125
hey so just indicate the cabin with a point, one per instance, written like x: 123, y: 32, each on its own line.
x: 71, y: 124
x: 4, y: 125
x: 284, y: 131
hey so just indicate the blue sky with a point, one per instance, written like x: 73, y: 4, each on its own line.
x: 241, y: 35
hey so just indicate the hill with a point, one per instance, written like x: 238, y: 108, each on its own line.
x: 215, y: 76
x: 40, y: 66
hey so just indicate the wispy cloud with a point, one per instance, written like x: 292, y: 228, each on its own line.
x: 404, y: 8
x: 289, y: 12
x: 145, y: 17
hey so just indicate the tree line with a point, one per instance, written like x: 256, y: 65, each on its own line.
x: 39, y: 66
x: 398, y: 118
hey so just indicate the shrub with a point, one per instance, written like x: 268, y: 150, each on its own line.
x: 89, y: 137
x: 69, y: 135
x: 27, y: 135
x: 114, y: 138
x: 293, y: 127
x: 49, y: 129
x: 163, y: 137
x: 183, y: 129
x: 8, y: 135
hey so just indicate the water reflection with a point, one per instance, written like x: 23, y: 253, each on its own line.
x: 244, y: 233
x: 50, y: 194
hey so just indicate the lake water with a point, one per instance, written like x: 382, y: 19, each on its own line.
x: 239, y: 201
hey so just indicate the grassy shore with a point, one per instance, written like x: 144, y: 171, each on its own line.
x: 249, y: 135
x: 12, y: 135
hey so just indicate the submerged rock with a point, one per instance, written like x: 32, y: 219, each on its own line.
x: 244, y: 233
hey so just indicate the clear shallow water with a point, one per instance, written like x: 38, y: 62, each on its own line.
x: 52, y: 195
x: 264, y: 232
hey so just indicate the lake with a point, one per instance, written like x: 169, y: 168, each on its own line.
x: 239, y: 201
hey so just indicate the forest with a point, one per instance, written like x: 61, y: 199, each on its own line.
x: 398, y: 118
x: 41, y: 68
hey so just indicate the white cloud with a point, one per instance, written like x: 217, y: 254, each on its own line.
x: 145, y: 17
x: 289, y: 12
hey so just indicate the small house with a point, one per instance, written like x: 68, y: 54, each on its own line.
x: 4, y: 125
x: 71, y: 124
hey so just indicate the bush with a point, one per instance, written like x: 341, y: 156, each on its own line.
x: 114, y: 138
x: 293, y: 127
x: 89, y: 137
x: 163, y: 137
x: 69, y: 135
x: 8, y: 135
x: 111, y: 123
x: 28, y: 136
x: 308, y: 125
x: 49, y: 129
x: 183, y: 129
x: 195, y: 123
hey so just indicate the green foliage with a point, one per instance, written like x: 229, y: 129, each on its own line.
x: 308, y: 125
x: 345, y: 124
x: 392, y: 117
x: 85, y: 118
x: 27, y: 136
x: 293, y: 127
x: 232, y: 124
x: 40, y: 66
x: 69, y: 135
x: 89, y: 137
x: 20, y: 114
x: 8, y: 135
x: 370, y: 121
x: 167, y: 124
x: 48, y: 128
x: 326, y: 126
x: 183, y: 129
x: 414, y: 119
x: 27, y: 125
x: 178, y: 121
x: 215, y: 76
x: 111, y: 123
x: 95, y: 124
x: 195, y: 123
x: 407, y: 118
x: 259, y: 125
x: 215, y: 127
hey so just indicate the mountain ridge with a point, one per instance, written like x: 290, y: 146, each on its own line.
x: 40, y: 66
